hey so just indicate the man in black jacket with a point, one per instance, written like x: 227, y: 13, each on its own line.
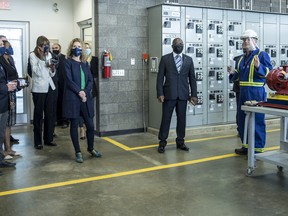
x: 175, y: 76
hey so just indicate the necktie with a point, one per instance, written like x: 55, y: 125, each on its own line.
x: 178, y: 62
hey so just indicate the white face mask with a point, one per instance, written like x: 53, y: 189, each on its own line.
x: 88, y: 52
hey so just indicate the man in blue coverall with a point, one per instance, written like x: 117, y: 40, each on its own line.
x: 251, y: 70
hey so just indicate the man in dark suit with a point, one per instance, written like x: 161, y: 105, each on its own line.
x: 175, y: 76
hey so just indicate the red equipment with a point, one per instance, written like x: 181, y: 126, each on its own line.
x: 277, y: 80
x: 106, y: 62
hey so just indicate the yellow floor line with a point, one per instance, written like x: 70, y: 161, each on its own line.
x: 126, y: 148
x: 114, y: 175
x: 187, y: 141
x: 120, y: 145
x: 120, y: 174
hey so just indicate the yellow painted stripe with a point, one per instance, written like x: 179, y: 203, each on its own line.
x: 126, y: 148
x: 120, y: 145
x: 187, y: 141
x: 114, y: 175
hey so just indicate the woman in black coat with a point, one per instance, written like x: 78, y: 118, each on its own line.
x: 77, y: 101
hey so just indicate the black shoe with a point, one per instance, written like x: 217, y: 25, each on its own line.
x: 50, y: 144
x: 39, y: 147
x: 161, y: 149
x: 65, y: 126
x: 182, y: 147
x: 13, y: 140
x: 5, y: 164
x: 241, y: 151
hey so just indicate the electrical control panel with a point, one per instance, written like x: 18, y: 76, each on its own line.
x: 211, y: 38
x: 283, y: 55
x: 195, y: 51
x: 215, y: 31
x: 215, y: 54
x: 272, y: 52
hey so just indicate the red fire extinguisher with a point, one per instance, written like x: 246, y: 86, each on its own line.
x: 107, y: 58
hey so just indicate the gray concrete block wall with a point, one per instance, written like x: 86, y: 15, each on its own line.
x: 121, y: 26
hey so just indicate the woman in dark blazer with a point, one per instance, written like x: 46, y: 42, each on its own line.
x: 77, y: 101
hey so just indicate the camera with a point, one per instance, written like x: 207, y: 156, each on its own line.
x: 54, y: 60
x: 22, y: 82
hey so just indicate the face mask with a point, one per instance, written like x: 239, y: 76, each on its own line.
x: 46, y: 49
x: 88, y: 52
x: 2, y: 50
x: 178, y: 49
x: 77, y: 51
x: 9, y: 51
x: 56, y: 52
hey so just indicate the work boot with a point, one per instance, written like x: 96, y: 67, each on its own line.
x: 241, y: 151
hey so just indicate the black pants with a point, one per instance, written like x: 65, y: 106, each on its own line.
x: 167, y: 111
x: 74, y: 124
x: 44, y: 103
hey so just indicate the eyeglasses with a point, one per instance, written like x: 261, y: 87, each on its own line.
x: 246, y: 39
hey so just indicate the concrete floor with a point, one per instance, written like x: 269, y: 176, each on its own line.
x: 133, y: 179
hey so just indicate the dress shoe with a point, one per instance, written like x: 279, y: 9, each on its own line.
x: 161, y: 149
x: 182, y: 147
x: 95, y: 153
x: 39, y: 147
x: 79, y: 158
x: 12, y: 139
x: 5, y: 164
x: 241, y: 151
x: 50, y: 144
x: 65, y: 126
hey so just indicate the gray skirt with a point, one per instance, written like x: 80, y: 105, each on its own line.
x: 12, y: 111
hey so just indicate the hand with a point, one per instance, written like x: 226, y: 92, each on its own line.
x: 51, y: 66
x: 256, y: 62
x: 82, y: 94
x: 229, y: 70
x: 193, y: 100
x: 12, y: 85
x: 161, y: 99
x: 41, y: 52
x: 84, y: 99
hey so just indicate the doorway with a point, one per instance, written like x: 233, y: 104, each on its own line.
x: 17, y: 34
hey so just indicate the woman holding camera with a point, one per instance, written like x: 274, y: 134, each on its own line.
x: 44, y: 92
x: 77, y: 101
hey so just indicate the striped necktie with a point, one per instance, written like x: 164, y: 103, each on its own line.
x: 178, y: 62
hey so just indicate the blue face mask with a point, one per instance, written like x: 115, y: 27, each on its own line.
x: 2, y: 50
x: 9, y: 51
x: 77, y: 51
x: 46, y: 49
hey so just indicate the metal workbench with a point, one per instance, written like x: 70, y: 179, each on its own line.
x: 278, y: 157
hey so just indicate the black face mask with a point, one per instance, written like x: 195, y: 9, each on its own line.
x: 178, y: 49
x: 56, y: 52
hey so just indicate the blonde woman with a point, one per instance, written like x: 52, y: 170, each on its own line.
x: 77, y: 101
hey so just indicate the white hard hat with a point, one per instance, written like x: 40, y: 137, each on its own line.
x: 249, y: 33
